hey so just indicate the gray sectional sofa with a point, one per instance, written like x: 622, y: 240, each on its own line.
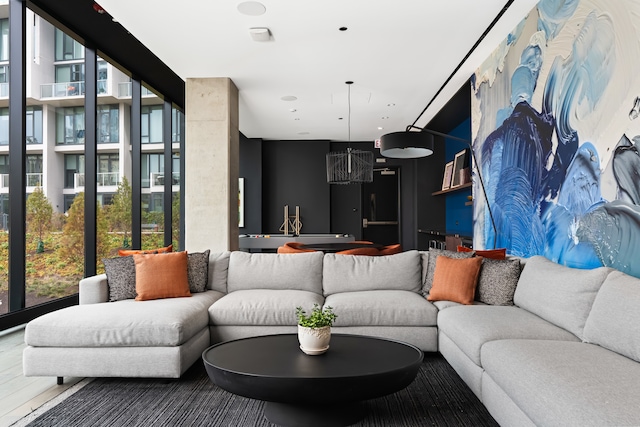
x: 566, y: 353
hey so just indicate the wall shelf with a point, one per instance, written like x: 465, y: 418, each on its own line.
x: 450, y: 190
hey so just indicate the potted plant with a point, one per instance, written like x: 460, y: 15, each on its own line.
x: 314, y: 330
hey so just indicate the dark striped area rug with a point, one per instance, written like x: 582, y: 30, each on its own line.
x: 438, y: 397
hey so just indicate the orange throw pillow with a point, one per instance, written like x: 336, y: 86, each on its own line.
x: 455, y: 279
x: 489, y: 253
x: 127, y: 252
x: 161, y: 276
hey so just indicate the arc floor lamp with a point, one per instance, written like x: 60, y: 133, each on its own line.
x: 410, y: 144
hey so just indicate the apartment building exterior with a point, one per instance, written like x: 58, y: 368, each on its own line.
x: 55, y: 123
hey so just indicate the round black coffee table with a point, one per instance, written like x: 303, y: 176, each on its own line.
x: 303, y: 390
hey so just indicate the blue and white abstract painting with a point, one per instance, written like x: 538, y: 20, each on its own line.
x: 556, y: 128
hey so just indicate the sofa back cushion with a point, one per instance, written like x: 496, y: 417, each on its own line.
x: 348, y: 273
x: 301, y: 271
x: 218, y: 270
x: 614, y: 321
x: 561, y: 295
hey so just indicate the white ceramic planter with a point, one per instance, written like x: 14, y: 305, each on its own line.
x: 314, y: 341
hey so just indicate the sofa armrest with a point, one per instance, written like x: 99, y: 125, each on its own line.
x: 94, y: 289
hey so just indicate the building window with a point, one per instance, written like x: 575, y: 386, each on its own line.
x: 108, y: 169
x: 151, y: 164
x: 72, y: 78
x: 176, y: 125
x: 34, y: 170
x: 68, y: 201
x: 70, y: 125
x: 102, y: 77
x: 73, y: 172
x: 67, y: 48
x: 34, y: 125
x: 108, y: 121
x: 4, y: 39
x: 151, y: 124
x: 4, y: 126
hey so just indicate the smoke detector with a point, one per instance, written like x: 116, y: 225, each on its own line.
x: 260, y: 34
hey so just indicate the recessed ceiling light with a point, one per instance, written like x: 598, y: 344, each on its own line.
x: 293, y: 110
x: 391, y: 105
x: 380, y: 128
x: 385, y: 117
x: 343, y: 28
x: 251, y: 8
x: 339, y: 118
x: 297, y: 118
x: 289, y: 98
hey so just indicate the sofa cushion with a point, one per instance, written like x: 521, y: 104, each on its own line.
x: 614, y: 321
x: 128, y: 323
x: 432, y: 255
x: 500, y: 253
x: 161, y: 276
x: 128, y: 252
x: 559, y: 294
x: 470, y: 327
x: 455, y: 279
x: 218, y: 271
x: 497, y: 281
x: 558, y: 383
x: 363, y: 273
x: 265, y: 307
x: 121, y: 277
x: 382, y: 308
x: 198, y: 270
x: 275, y: 271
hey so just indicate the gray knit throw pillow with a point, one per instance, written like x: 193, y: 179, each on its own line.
x: 121, y: 277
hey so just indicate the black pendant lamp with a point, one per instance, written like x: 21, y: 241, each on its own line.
x: 406, y: 144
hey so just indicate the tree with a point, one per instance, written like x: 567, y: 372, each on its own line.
x: 73, y: 234
x: 39, y: 212
x: 119, y: 211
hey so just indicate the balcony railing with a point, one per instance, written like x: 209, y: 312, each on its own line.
x: 157, y: 180
x: 124, y: 90
x: 67, y: 89
x: 104, y: 179
x: 4, y: 90
x: 34, y: 179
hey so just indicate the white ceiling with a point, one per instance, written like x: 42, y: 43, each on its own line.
x: 398, y: 54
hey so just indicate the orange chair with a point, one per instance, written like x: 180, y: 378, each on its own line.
x: 360, y: 251
x: 293, y: 248
x: 391, y: 249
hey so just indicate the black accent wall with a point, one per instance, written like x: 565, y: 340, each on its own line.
x: 294, y: 174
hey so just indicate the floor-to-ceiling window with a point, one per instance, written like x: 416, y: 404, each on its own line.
x: 57, y: 154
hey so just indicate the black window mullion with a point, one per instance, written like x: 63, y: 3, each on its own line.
x: 90, y: 161
x: 168, y: 172
x: 17, y: 154
x: 136, y: 176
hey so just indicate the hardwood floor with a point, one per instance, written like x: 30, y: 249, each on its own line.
x: 20, y: 395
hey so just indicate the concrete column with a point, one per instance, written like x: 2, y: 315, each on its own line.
x: 211, y: 164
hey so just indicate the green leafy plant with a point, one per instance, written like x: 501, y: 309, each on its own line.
x: 318, y: 318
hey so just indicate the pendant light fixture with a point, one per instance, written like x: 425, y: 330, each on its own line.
x: 351, y: 166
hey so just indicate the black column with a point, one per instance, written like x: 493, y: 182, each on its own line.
x: 17, y: 154
x: 90, y: 159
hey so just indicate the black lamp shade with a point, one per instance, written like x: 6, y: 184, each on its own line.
x: 406, y: 145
